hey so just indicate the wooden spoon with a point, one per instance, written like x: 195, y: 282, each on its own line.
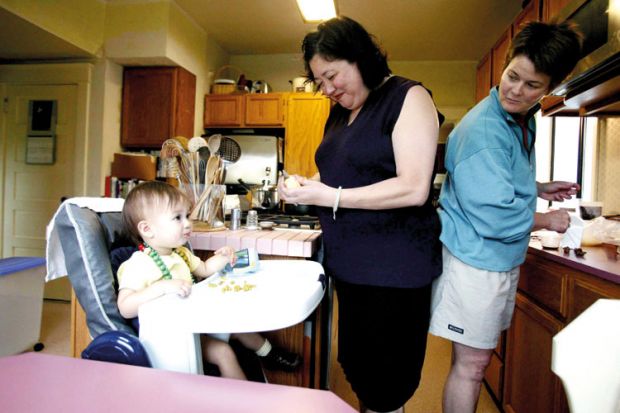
x: 211, y: 171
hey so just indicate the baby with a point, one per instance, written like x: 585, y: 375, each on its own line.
x: 155, y: 216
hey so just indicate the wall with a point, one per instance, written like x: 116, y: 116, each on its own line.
x: 452, y: 82
x: 608, y: 179
x: 79, y: 22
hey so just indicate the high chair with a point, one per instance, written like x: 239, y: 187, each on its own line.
x: 586, y: 357
x: 80, y: 237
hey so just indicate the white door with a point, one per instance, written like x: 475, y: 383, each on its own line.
x: 32, y: 192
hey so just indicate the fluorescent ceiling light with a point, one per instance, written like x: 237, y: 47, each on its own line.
x: 316, y: 10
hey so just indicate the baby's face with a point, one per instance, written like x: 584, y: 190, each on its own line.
x: 171, y: 227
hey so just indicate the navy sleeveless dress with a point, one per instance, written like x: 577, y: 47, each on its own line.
x: 391, y: 248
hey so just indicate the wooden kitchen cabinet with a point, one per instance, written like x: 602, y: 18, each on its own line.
x: 158, y: 104
x: 244, y: 110
x: 530, y: 385
x: 305, y: 121
x: 483, y: 78
x: 224, y: 110
x: 264, y: 109
x: 498, y: 56
x: 553, y: 290
x: 531, y: 12
x: 551, y: 8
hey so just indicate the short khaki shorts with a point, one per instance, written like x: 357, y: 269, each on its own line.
x: 472, y: 306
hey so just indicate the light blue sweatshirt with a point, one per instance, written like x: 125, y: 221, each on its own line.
x: 488, y: 199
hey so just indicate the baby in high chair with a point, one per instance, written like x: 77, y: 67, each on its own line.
x: 155, y: 216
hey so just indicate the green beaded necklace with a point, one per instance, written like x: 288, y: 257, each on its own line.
x: 160, y: 263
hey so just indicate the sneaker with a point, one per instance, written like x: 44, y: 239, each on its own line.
x: 280, y: 359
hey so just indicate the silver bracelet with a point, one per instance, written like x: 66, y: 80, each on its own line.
x: 336, y: 202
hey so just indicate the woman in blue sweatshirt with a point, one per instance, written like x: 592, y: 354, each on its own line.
x: 488, y: 203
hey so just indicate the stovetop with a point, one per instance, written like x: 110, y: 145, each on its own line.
x: 285, y: 221
x: 292, y: 221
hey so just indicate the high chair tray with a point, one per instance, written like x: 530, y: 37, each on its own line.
x: 280, y: 294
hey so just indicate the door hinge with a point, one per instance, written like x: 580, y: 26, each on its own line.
x: 5, y: 105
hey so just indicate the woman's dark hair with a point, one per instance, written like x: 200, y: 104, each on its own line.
x: 553, y: 48
x: 342, y: 38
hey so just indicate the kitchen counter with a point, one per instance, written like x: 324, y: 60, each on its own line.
x: 600, y: 261
x: 300, y: 243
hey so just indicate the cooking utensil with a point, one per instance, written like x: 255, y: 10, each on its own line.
x: 263, y: 196
x: 214, y: 143
x: 299, y: 209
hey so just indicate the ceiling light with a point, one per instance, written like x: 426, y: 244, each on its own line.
x: 313, y: 11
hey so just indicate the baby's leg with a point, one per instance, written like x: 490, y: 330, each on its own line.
x: 252, y: 341
x: 223, y: 356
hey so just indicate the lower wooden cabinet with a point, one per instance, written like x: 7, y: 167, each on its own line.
x: 530, y: 385
x: 550, y: 296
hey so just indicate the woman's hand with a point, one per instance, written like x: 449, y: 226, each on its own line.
x: 557, y: 190
x: 309, y: 192
x: 557, y: 221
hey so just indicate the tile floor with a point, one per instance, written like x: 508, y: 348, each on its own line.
x: 55, y: 332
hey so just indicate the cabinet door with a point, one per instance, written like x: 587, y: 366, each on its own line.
x: 585, y: 291
x: 531, y: 12
x: 264, y: 109
x: 498, y: 56
x: 483, y: 77
x: 551, y: 8
x: 305, y: 122
x: 224, y: 110
x: 158, y: 104
x: 529, y: 384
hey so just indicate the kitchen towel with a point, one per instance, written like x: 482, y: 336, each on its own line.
x: 54, y: 254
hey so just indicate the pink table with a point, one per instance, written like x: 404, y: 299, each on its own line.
x: 35, y: 382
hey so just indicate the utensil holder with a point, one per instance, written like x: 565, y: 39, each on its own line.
x: 210, y: 206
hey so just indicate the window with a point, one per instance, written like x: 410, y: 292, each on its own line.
x: 566, y: 151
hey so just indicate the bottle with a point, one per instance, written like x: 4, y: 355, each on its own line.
x: 252, y: 220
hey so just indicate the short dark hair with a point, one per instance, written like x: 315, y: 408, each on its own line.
x: 553, y: 48
x: 145, y: 198
x: 342, y: 38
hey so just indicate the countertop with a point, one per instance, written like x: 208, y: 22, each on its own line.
x: 601, y: 261
x: 286, y: 243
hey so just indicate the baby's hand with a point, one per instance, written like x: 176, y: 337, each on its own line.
x: 182, y: 288
x: 228, y: 252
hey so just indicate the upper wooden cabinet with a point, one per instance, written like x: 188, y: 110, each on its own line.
x: 551, y: 8
x: 158, y: 104
x: 498, y: 56
x: 264, y: 109
x: 224, y: 110
x: 305, y: 122
x: 531, y: 12
x: 252, y: 110
x: 483, y: 77
x: 303, y: 116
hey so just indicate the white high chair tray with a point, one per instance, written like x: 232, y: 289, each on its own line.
x: 280, y: 294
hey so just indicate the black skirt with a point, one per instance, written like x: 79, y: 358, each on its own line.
x: 382, y: 341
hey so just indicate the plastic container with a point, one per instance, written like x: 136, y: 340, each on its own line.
x: 21, y: 302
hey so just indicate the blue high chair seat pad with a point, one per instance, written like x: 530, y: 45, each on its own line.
x: 117, y: 347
